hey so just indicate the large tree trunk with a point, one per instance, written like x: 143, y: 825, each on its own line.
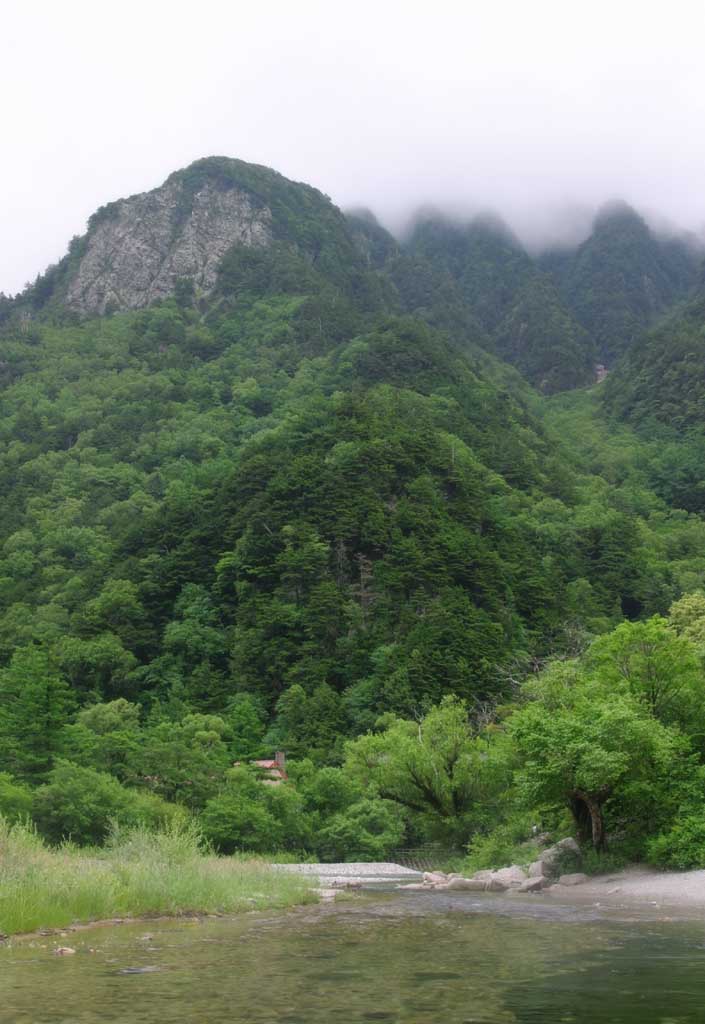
x: 587, y: 811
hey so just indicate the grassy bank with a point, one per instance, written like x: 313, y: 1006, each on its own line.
x: 138, y: 872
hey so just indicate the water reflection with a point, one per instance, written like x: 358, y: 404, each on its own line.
x: 405, y: 959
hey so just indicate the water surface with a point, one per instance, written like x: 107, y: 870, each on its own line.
x: 411, y: 958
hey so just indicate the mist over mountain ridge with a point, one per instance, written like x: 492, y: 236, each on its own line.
x: 563, y: 225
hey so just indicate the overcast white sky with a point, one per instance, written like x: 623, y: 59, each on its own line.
x: 530, y: 106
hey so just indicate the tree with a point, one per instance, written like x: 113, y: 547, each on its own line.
x: 106, y: 737
x: 185, y: 761
x: 35, y: 702
x: 583, y: 751
x: 434, y: 767
x: 248, y: 814
x: 367, y: 830
x: 655, y: 665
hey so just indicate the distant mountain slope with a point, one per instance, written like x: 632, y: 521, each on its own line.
x: 621, y: 278
x: 517, y: 307
x: 663, y: 379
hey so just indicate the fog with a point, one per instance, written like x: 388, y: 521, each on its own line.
x: 540, y: 110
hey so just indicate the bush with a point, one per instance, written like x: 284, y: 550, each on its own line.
x: 682, y: 847
x: 15, y: 799
x: 248, y: 814
x: 80, y: 804
x: 508, y: 843
x: 366, y: 831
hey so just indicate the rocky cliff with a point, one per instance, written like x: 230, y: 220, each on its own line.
x: 138, y: 248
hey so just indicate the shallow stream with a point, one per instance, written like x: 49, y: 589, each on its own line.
x: 406, y: 958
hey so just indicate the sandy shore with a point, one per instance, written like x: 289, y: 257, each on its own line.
x: 684, y: 890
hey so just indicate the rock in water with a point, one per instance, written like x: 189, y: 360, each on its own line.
x: 535, y: 884
x: 465, y: 885
x: 511, y: 877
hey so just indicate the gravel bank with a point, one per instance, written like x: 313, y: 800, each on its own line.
x: 641, y: 886
x: 373, y: 873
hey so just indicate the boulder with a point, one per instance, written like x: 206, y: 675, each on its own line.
x: 435, y: 877
x: 483, y: 876
x: 512, y: 877
x: 539, y: 869
x: 547, y: 864
x: 575, y: 879
x: 416, y: 886
x: 568, y: 845
x: 535, y: 884
x: 496, y: 885
x: 466, y: 885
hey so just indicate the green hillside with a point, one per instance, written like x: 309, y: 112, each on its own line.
x: 618, y: 282
x: 317, y: 508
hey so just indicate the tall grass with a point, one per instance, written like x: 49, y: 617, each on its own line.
x: 138, y: 872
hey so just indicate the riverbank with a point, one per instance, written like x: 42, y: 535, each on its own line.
x: 138, y: 874
x: 638, y: 886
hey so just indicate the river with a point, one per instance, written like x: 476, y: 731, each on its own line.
x: 403, y: 958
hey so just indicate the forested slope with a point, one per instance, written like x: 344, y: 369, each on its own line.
x: 297, y: 502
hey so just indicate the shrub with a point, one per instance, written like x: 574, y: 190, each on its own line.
x: 682, y: 846
x: 508, y: 843
x: 15, y: 799
x: 80, y: 804
x: 367, y: 830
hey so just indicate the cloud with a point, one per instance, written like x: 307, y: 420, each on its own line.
x: 542, y: 110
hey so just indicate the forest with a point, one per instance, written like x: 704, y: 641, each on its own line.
x: 363, y: 503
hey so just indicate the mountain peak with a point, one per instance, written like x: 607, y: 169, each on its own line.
x: 137, y: 249
x: 617, y: 213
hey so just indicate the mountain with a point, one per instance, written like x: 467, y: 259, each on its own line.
x: 622, y: 277
x: 140, y: 250
x: 275, y: 476
x: 663, y: 379
x: 515, y: 305
x: 273, y: 480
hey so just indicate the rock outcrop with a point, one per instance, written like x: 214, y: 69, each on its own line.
x: 549, y: 862
x: 138, y: 248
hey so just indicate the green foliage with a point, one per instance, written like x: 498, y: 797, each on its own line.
x: 34, y: 706
x: 367, y: 830
x: 517, y: 305
x: 15, y: 799
x: 435, y: 768
x: 81, y: 804
x: 140, y: 872
x: 321, y: 512
x: 683, y: 846
x: 249, y: 814
x: 507, y: 843
x: 595, y: 751
x: 621, y: 278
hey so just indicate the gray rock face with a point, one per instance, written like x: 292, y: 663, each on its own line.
x: 140, y: 246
